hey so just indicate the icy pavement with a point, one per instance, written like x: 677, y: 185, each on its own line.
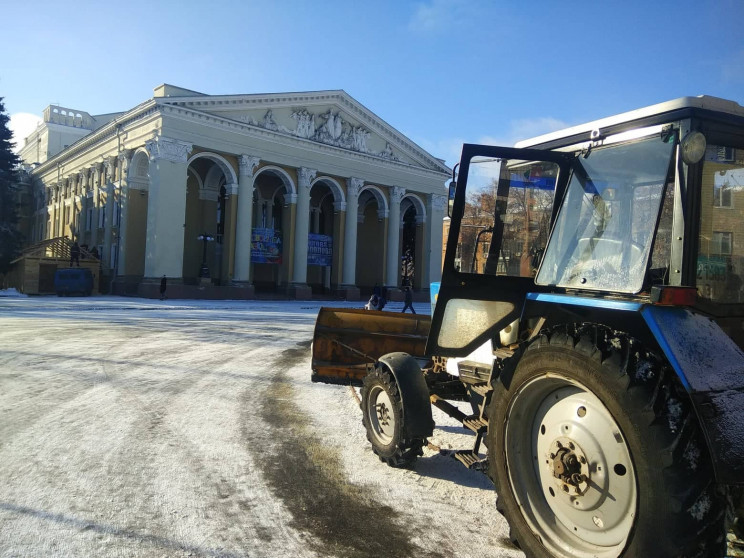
x: 134, y: 427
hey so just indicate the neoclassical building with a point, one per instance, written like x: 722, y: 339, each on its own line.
x: 227, y: 195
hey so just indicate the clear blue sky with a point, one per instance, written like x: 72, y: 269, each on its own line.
x: 443, y: 72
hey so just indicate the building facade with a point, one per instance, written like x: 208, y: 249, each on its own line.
x: 294, y: 193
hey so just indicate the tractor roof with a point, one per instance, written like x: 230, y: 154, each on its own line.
x: 702, y: 102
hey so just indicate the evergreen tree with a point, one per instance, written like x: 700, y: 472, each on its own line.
x: 11, y: 239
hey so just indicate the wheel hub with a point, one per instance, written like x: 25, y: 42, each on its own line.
x: 569, y: 466
x: 383, y: 414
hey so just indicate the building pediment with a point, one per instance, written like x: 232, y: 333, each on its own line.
x: 329, y: 118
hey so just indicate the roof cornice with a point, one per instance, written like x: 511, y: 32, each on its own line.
x: 339, y: 96
x: 184, y: 107
x: 141, y: 111
x: 187, y: 113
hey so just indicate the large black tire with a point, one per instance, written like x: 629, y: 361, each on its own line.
x: 384, y: 420
x: 595, y: 450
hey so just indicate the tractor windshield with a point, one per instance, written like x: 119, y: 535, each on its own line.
x: 604, y: 231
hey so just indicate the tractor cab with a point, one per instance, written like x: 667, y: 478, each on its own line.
x: 624, y: 208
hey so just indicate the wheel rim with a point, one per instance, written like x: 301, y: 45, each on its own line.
x: 570, y: 468
x: 381, y: 415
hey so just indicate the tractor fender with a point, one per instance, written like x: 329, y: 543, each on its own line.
x: 414, y: 393
x: 711, y: 368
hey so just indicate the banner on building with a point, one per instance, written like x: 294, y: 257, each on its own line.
x: 319, y: 249
x: 266, y: 246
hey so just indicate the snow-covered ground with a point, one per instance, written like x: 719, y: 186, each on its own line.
x: 134, y: 427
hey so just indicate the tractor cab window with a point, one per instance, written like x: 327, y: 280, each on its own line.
x: 506, y: 221
x: 604, y: 231
x: 720, y: 262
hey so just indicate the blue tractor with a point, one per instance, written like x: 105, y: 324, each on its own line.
x: 600, y: 267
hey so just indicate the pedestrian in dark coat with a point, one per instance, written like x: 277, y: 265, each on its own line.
x: 75, y: 254
x: 409, y: 300
x: 163, y: 286
x: 373, y: 303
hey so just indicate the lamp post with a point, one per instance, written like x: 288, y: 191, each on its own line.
x: 204, y: 271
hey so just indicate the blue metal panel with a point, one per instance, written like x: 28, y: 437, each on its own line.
x: 711, y: 367
x: 623, y: 305
x: 704, y: 357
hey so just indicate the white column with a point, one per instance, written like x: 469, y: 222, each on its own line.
x: 108, y: 180
x: 304, y: 177
x: 244, y: 225
x: 96, y: 206
x: 393, y: 256
x: 437, y: 204
x: 84, y: 205
x: 353, y: 187
x: 166, y: 207
x: 125, y: 157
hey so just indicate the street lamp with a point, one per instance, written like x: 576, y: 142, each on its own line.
x: 204, y: 271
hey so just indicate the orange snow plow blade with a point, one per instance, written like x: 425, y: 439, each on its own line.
x: 347, y: 342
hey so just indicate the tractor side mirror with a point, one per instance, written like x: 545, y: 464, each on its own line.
x: 452, y: 188
x: 451, y: 198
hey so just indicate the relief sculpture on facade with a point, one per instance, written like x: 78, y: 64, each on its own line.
x: 332, y: 130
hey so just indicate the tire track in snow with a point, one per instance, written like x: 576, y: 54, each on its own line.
x: 342, y: 519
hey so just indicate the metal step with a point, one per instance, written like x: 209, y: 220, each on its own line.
x: 470, y: 459
x: 481, y: 389
x: 475, y: 423
x: 504, y: 352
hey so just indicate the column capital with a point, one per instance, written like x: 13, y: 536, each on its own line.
x: 168, y: 149
x: 354, y: 186
x: 339, y: 206
x: 110, y: 164
x: 231, y: 189
x: 97, y: 168
x: 125, y: 157
x: 247, y: 164
x: 396, y: 194
x: 305, y: 176
x: 290, y: 198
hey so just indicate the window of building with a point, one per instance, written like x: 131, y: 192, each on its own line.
x: 88, y: 218
x: 720, y: 262
x: 722, y: 243
x: 722, y: 195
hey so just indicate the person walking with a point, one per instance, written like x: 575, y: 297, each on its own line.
x: 75, y: 254
x: 409, y: 300
x: 373, y: 303
x: 163, y: 286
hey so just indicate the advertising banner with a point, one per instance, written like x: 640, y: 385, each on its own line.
x: 266, y: 246
x: 319, y: 249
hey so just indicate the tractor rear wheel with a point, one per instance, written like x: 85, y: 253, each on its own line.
x: 596, y: 452
x: 384, y: 420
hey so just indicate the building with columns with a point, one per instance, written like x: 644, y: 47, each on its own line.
x: 228, y: 195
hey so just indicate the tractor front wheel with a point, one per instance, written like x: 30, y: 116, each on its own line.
x: 596, y: 452
x: 384, y: 419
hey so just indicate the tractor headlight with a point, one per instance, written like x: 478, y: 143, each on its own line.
x: 693, y: 147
